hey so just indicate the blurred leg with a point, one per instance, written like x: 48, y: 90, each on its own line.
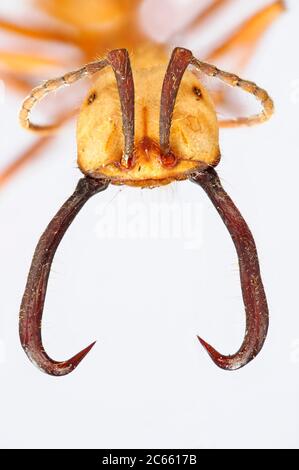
x: 240, y: 47
x: 248, y: 35
x: 205, y: 14
x: 16, y: 83
x: 42, y: 34
x: 30, y: 154
x: 26, y: 63
x: 33, y: 152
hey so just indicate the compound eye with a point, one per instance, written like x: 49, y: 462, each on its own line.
x: 197, y: 92
x: 92, y: 97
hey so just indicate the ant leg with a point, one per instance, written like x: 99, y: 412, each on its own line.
x: 16, y: 83
x: 240, y: 47
x: 205, y: 14
x: 39, y: 34
x: 35, y: 292
x: 249, y: 34
x: 22, y: 160
x: 31, y: 153
x: 257, y: 316
x: 26, y: 63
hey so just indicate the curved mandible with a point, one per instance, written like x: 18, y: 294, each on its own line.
x: 36, y: 288
x: 256, y: 308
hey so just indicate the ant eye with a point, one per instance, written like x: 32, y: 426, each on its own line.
x: 197, y: 92
x: 91, y: 98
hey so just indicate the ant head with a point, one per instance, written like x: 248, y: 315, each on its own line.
x: 150, y: 130
x: 163, y: 131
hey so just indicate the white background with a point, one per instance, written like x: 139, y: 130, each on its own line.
x: 148, y: 383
